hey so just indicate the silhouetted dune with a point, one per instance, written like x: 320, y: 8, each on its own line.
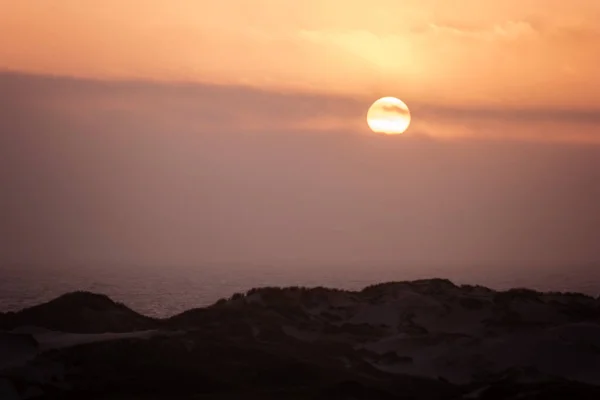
x: 425, y: 339
x: 80, y: 312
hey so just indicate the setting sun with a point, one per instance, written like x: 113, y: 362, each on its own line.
x: 388, y: 115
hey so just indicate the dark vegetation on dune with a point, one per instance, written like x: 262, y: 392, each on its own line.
x: 427, y: 339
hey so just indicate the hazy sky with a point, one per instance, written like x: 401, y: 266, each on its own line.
x: 509, y: 52
x: 187, y: 132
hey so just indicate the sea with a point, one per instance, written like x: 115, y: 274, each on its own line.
x: 162, y: 291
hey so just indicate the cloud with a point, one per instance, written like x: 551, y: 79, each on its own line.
x: 394, y: 109
x: 508, y: 30
x: 505, y: 123
x: 142, y: 106
x: 511, y: 113
x: 195, y: 106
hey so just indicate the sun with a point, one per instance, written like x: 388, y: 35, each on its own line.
x: 388, y: 115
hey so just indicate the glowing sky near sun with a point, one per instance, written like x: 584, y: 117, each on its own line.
x: 526, y: 55
x: 522, y: 51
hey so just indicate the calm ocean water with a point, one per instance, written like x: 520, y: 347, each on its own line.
x: 164, y: 291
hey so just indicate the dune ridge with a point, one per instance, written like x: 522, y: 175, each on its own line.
x: 427, y: 338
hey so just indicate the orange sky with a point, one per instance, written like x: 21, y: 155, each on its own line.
x: 263, y: 153
x: 497, y: 52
